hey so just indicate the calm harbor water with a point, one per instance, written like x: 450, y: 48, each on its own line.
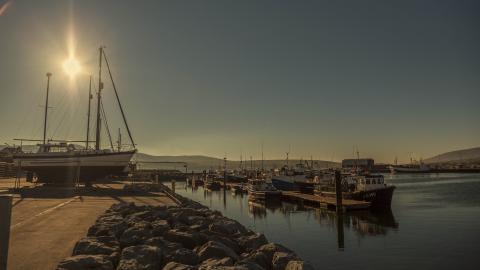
x: 434, y: 224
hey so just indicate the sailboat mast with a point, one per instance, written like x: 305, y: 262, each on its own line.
x: 46, y: 109
x: 99, y: 100
x: 88, y: 119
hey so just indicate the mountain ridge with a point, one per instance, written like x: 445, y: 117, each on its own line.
x: 201, y: 162
x: 462, y: 155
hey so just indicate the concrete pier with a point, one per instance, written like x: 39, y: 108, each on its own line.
x: 46, y: 226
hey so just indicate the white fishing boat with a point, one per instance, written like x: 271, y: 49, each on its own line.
x: 60, y: 161
x: 361, y: 187
x: 413, y: 167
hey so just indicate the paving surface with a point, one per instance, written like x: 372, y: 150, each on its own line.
x: 45, y: 227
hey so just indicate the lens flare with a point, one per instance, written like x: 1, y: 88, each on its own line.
x: 72, y: 67
x: 4, y: 7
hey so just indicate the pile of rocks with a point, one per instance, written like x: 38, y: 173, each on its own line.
x: 190, y: 236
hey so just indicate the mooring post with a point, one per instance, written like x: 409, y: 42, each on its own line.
x: 225, y: 173
x: 338, y: 191
x: 77, y: 175
x: 5, y: 216
x: 339, y: 208
x: 156, y: 178
x: 340, y: 234
x: 18, y: 176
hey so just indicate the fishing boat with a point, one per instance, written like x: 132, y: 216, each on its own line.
x: 62, y: 162
x: 293, y: 179
x: 362, y: 187
x: 212, y: 185
x: 259, y: 189
x: 238, y: 188
x: 414, y: 167
x: 198, y: 182
x: 411, y: 168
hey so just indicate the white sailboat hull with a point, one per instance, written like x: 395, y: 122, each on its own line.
x: 62, y: 167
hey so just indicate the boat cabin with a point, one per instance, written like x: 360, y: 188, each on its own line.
x: 56, y: 147
x: 369, y: 182
x: 260, y: 185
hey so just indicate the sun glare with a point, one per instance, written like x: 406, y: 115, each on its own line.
x: 71, y: 67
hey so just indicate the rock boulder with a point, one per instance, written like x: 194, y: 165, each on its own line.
x: 81, y: 262
x: 281, y: 260
x: 140, y: 257
x: 213, y: 249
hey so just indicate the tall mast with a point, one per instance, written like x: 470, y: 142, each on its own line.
x: 262, y: 157
x: 88, y: 119
x: 99, y: 100
x: 46, y: 109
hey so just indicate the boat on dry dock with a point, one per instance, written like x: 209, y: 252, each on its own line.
x: 62, y: 162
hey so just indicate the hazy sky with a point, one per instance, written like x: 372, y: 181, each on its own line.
x: 393, y: 78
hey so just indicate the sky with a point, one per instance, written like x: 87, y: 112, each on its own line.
x: 313, y: 78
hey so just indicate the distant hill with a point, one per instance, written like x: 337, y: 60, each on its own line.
x: 198, y: 163
x: 464, y: 156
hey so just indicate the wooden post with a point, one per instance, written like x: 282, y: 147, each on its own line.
x: 173, y: 185
x: 225, y: 174
x: 77, y: 175
x: 5, y: 216
x: 338, y: 191
x: 339, y: 207
x: 340, y: 234
x: 18, y: 176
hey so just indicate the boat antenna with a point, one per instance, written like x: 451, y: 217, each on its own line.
x: 99, y: 98
x: 46, y: 109
x: 287, y: 157
x: 358, y: 159
x: 118, y: 100
x: 88, y: 119
x: 262, y: 157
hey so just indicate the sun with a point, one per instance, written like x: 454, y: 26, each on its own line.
x: 72, y: 67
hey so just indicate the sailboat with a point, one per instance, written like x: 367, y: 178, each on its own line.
x: 62, y: 162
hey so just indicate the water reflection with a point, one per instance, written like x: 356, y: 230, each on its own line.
x: 363, y: 223
x: 438, y: 216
